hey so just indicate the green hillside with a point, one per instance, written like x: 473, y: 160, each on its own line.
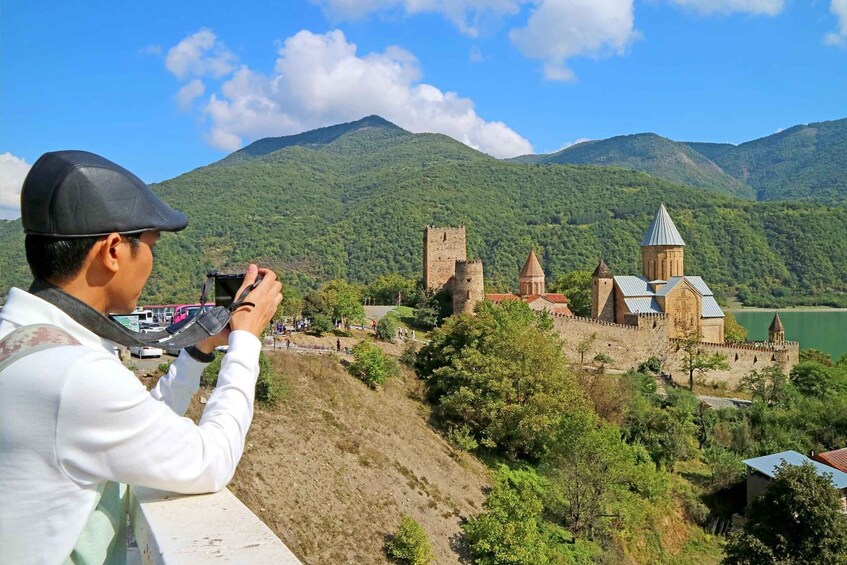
x: 800, y: 162
x: 653, y: 154
x: 354, y: 206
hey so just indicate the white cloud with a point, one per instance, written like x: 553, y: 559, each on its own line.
x: 464, y: 14
x: 13, y: 170
x: 320, y: 80
x: 561, y: 29
x: 756, y: 7
x: 199, y: 55
x: 186, y: 95
x: 839, y: 8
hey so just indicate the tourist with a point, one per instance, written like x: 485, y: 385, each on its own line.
x: 338, y: 345
x: 75, y: 422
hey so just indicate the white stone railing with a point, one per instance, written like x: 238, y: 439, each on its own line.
x: 181, y: 530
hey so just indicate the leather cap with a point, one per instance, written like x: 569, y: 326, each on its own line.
x: 80, y: 194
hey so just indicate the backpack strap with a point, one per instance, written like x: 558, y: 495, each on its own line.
x: 26, y: 340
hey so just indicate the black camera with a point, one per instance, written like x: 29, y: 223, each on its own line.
x: 226, y: 288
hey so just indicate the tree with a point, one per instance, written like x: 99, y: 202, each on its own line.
x: 386, y: 330
x: 583, y: 346
x: 387, y: 288
x: 576, y: 285
x: 371, y: 365
x: 590, y: 471
x: 733, y: 332
x: 502, y: 373
x: 695, y: 361
x: 770, y: 385
x: 797, y: 521
x: 507, y: 531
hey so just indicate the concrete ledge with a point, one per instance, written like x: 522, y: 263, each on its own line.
x: 183, y: 529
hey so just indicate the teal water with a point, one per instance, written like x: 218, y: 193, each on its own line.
x: 822, y: 330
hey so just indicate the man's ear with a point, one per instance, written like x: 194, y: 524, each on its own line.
x: 108, y: 251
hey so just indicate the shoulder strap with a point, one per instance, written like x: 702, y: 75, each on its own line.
x: 27, y: 340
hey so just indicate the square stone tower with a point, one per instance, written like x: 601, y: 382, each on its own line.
x: 442, y: 248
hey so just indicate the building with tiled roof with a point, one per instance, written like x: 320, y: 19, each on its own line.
x: 662, y: 287
x: 532, y: 287
x: 836, y: 459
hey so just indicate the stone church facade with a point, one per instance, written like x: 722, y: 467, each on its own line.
x: 662, y: 288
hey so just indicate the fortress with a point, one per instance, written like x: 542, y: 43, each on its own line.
x: 632, y: 318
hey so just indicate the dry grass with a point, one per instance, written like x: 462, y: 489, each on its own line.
x: 333, y: 468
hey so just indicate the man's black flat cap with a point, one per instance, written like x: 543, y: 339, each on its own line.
x: 80, y: 194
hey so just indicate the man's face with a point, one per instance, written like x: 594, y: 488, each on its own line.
x: 134, y: 271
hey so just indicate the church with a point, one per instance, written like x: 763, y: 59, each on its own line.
x: 533, y: 291
x: 662, y: 288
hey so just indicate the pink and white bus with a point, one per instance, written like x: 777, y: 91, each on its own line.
x: 183, y: 311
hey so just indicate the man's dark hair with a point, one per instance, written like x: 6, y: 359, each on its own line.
x: 59, y: 259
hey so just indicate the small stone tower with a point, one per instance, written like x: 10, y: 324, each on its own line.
x: 776, y: 333
x: 602, y: 295
x: 532, y: 276
x: 468, y: 286
x: 662, y: 249
x: 442, y: 248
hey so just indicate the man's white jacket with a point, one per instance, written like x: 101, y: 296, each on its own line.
x: 72, y: 417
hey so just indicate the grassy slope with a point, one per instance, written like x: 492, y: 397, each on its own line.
x: 333, y: 468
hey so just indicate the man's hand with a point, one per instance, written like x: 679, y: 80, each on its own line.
x: 266, y: 297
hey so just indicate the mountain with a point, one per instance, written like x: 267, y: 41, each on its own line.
x: 352, y: 202
x: 805, y: 161
x: 653, y: 154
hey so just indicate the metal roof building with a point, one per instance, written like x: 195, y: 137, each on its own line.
x: 767, y: 466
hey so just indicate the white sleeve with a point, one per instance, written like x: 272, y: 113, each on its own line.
x: 178, y: 386
x: 109, y: 427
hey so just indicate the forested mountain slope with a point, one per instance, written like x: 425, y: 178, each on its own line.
x: 355, y: 206
x: 800, y: 162
x: 653, y: 154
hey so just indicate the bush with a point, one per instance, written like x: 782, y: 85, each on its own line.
x: 461, y: 437
x: 386, y: 329
x: 371, y: 365
x: 652, y: 366
x: 321, y: 324
x: 409, y: 355
x: 410, y: 544
x: 163, y: 367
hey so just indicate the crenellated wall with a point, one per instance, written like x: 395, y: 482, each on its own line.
x: 646, y: 335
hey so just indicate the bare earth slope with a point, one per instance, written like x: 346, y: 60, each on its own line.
x: 333, y: 468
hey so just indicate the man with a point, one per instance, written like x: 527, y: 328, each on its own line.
x: 75, y: 425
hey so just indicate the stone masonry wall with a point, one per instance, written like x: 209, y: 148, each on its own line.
x: 630, y: 345
x: 442, y: 248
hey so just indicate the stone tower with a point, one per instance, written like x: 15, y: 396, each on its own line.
x: 602, y: 295
x: 468, y: 286
x: 532, y: 276
x: 662, y: 249
x: 776, y: 333
x: 442, y: 248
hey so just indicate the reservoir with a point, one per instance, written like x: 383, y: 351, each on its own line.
x: 814, y: 329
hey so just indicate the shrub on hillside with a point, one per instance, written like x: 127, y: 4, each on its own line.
x: 386, y: 329
x: 410, y: 544
x: 371, y: 365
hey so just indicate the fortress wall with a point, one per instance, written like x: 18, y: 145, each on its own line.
x: 742, y: 358
x: 626, y: 345
x: 630, y: 345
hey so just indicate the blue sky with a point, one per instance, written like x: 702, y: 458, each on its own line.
x: 165, y: 87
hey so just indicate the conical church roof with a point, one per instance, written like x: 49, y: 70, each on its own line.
x: 662, y: 231
x: 532, y: 268
x: 602, y: 271
x: 776, y: 325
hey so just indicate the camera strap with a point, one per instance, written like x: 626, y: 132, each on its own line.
x: 176, y: 336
